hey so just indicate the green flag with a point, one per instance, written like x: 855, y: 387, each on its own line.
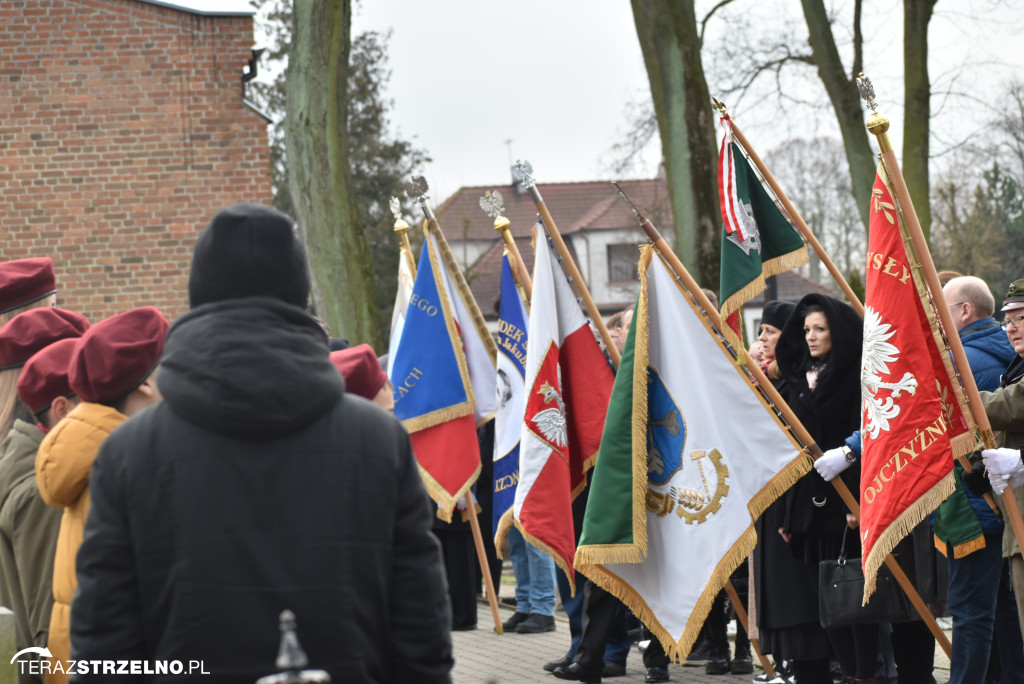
x: 757, y: 241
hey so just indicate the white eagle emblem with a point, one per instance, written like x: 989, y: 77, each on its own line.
x: 551, y: 421
x: 877, y: 355
x: 752, y: 236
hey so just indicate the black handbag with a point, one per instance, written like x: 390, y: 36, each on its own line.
x: 841, y: 590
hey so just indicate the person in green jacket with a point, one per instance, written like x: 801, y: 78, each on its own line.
x: 38, y: 344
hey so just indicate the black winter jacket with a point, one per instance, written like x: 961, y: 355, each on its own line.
x: 259, y: 486
x: 831, y: 412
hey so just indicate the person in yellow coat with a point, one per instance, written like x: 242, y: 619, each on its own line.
x: 113, y: 370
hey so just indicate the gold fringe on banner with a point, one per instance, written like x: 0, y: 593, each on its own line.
x: 780, y: 484
x: 559, y: 561
x: 441, y: 496
x: 678, y: 651
x: 901, y: 527
x: 784, y: 263
x: 505, y: 522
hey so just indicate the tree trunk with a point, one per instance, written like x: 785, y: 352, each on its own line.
x: 667, y: 30
x: 316, y: 137
x: 842, y: 91
x: 917, y: 107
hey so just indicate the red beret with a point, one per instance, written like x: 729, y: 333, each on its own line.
x: 117, y: 354
x: 361, y: 370
x: 45, y: 376
x: 30, y: 331
x: 25, y: 281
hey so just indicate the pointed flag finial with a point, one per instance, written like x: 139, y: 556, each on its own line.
x: 622, y: 194
x: 492, y: 203
x: 867, y: 91
x: 522, y: 171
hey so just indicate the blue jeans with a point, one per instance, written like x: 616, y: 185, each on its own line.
x: 972, y: 596
x: 535, y: 576
x: 617, y: 647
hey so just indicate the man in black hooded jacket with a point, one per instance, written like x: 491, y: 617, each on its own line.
x: 259, y: 486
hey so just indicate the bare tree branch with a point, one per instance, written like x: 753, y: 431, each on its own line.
x: 704, y: 21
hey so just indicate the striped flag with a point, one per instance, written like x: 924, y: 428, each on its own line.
x: 568, y: 384
x: 757, y: 241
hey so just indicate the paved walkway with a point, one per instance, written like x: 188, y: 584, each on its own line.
x: 483, y: 657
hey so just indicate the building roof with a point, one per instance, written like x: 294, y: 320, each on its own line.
x: 209, y: 8
x: 792, y: 287
x: 591, y: 205
x: 484, y: 276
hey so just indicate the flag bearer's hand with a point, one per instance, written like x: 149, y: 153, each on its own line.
x: 1001, y: 461
x: 833, y: 462
x: 1004, y: 467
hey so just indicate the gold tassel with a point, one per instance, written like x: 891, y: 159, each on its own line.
x: 969, y: 547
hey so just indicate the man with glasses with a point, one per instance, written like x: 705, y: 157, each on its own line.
x: 978, y: 594
x: 1005, y: 410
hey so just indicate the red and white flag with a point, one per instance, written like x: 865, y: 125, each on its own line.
x: 913, y: 423
x: 568, y: 383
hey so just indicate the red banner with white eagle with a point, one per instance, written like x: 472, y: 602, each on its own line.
x: 912, y: 423
x: 568, y: 384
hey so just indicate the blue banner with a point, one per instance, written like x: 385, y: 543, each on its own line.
x: 429, y: 375
x: 511, y: 403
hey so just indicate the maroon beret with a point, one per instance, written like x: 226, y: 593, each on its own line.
x: 45, y: 376
x: 361, y: 370
x: 30, y: 331
x: 117, y: 354
x: 25, y: 281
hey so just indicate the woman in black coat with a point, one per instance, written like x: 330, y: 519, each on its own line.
x: 819, y: 356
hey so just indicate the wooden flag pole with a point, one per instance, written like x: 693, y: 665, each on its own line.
x: 813, y: 450
x: 503, y: 226
x: 485, y: 569
x: 741, y: 613
x: 798, y: 220
x: 878, y: 125
x: 522, y: 171
x: 402, y: 228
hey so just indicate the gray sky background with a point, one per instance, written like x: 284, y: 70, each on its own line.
x: 556, y: 77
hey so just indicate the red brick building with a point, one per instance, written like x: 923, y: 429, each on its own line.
x: 123, y: 128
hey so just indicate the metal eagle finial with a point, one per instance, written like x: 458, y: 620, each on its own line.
x: 867, y: 91
x: 417, y: 188
x: 522, y: 171
x: 492, y: 203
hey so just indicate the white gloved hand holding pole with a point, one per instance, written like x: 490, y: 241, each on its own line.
x: 1005, y: 468
x: 833, y: 462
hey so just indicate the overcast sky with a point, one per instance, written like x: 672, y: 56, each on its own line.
x: 556, y: 76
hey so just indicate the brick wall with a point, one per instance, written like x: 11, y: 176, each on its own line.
x: 122, y: 130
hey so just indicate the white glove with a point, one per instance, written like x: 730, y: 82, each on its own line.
x: 831, y: 463
x: 998, y: 482
x: 1001, y: 461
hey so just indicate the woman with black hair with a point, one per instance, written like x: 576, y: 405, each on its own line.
x: 818, y: 354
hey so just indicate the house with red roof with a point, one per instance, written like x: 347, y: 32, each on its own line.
x: 599, y: 230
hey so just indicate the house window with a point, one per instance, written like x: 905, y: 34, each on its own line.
x: 622, y: 262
